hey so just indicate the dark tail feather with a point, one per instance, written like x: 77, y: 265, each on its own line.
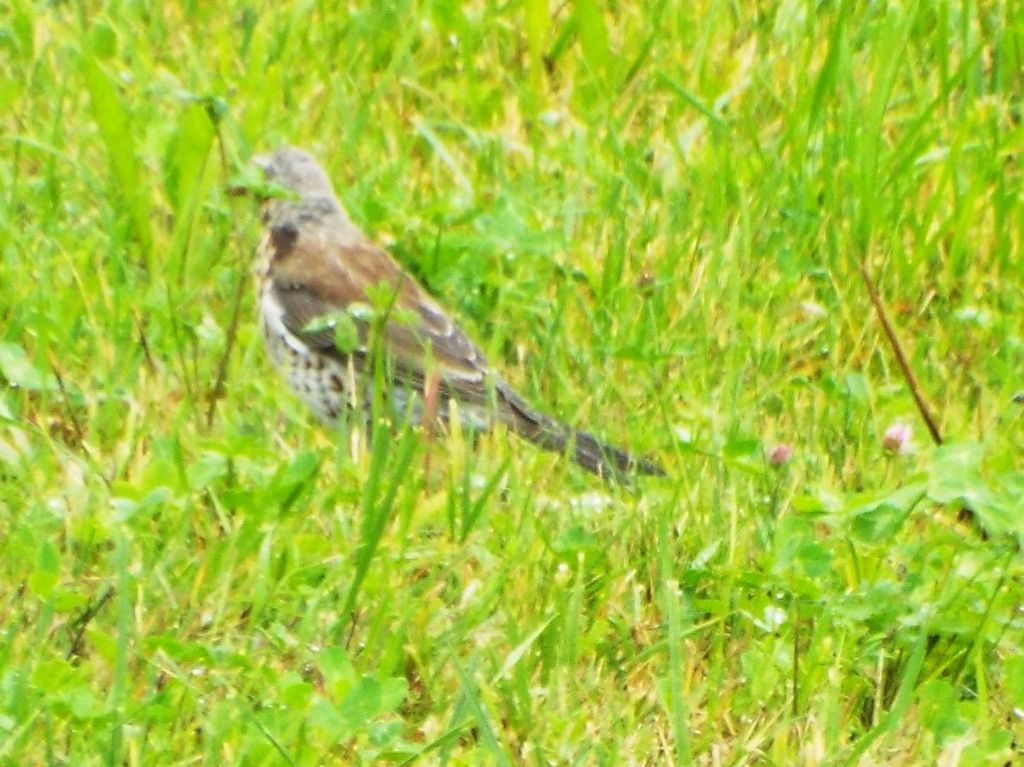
x: 605, y: 460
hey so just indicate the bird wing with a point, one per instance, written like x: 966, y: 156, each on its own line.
x: 314, y: 274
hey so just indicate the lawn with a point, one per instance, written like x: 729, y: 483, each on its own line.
x: 662, y: 221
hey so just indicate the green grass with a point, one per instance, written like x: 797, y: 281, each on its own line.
x: 652, y: 219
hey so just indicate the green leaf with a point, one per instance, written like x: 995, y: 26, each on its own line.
x: 114, y: 123
x: 178, y: 650
x: 322, y: 323
x: 250, y: 181
x: 575, y: 539
x: 342, y: 324
x: 362, y: 702
x: 48, y: 558
x: 827, y: 77
x: 45, y: 575
x: 857, y: 389
x: 879, y: 519
x: 19, y: 371
x: 798, y: 547
x: 53, y: 675
x: 878, y: 524
x: 346, y: 334
x: 81, y: 701
x: 1013, y: 678
x: 537, y: 23
x: 737, y: 446
x: 815, y: 559
x: 479, y: 713
x: 24, y: 32
x: 938, y: 707
x: 293, y: 692
x: 382, y: 297
x: 954, y: 476
x: 593, y: 34
x: 185, y: 161
x: 325, y: 717
x: 292, y: 479
x: 337, y: 670
x: 209, y: 469
x: 383, y: 734
x: 66, y: 601
x: 520, y: 650
x: 103, y: 644
x: 186, y: 156
x: 392, y: 693
x: 42, y: 582
x: 823, y: 501
x: 300, y: 470
x: 102, y: 40
x: 361, y: 311
x: 954, y: 473
x: 129, y: 508
x: 377, y: 504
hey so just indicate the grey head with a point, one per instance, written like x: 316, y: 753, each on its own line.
x: 298, y: 170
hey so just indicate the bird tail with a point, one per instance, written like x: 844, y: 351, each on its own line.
x: 589, y: 452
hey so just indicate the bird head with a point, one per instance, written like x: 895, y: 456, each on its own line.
x: 296, y: 170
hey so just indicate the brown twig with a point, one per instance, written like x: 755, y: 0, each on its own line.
x: 144, y: 343
x: 77, y: 628
x: 901, y: 358
x: 68, y: 407
x: 222, y: 369
x: 966, y: 514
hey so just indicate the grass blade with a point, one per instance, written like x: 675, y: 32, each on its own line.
x: 114, y: 123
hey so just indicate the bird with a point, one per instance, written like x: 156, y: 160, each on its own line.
x: 316, y: 268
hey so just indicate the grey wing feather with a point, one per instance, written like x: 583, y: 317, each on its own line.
x: 300, y: 307
x: 463, y: 370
